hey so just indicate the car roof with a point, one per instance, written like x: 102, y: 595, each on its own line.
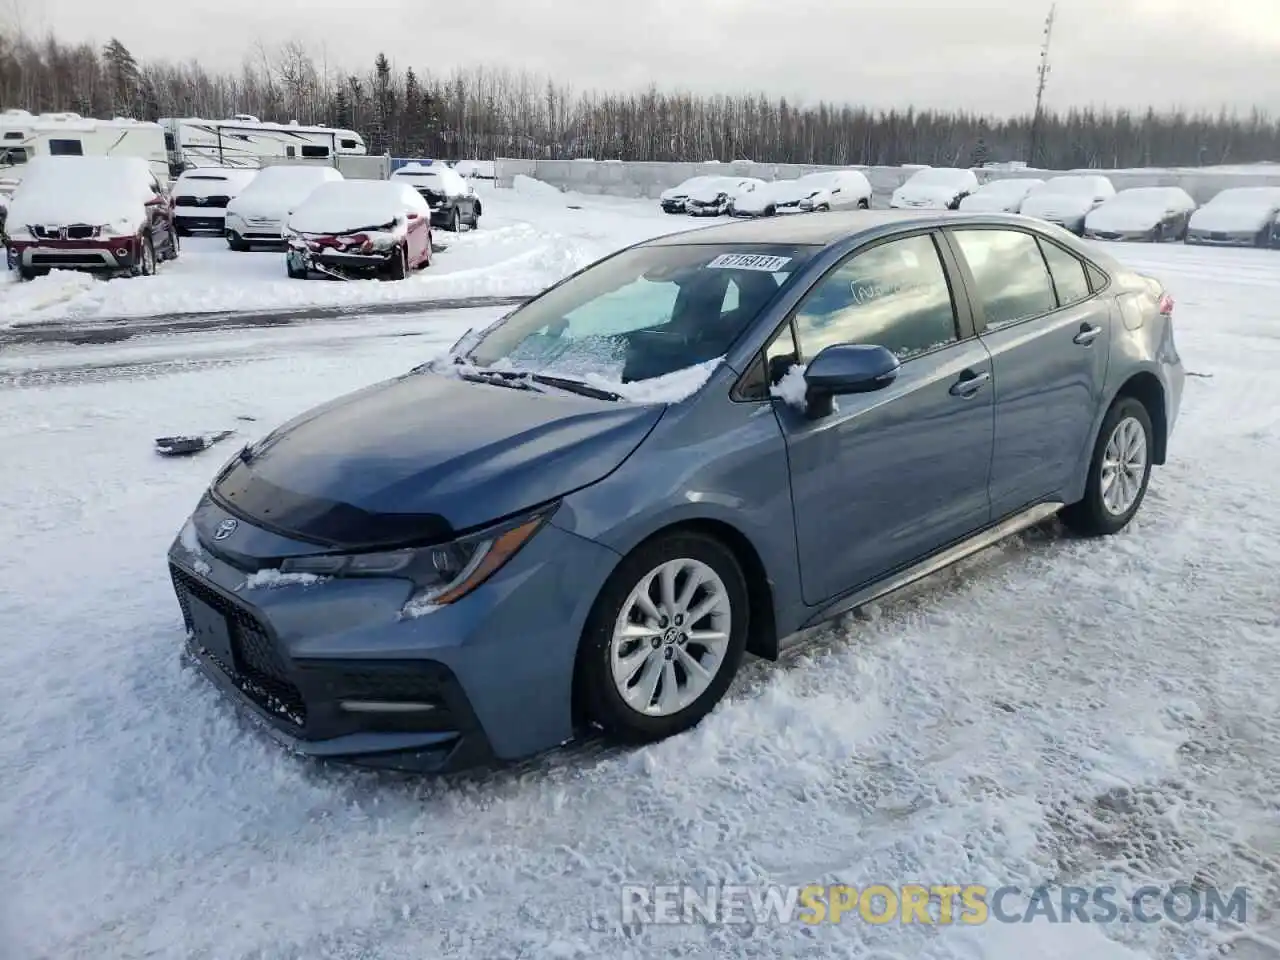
x: 821, y: 229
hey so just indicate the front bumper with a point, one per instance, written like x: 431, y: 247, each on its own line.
x: 322, y: 261
x: 1119, y: 235
x: 199, y: 218
x: 1228, y: 238
x: 695, y: 209
x: 673, y: 206
x: 259, y: 231
x: 113, y: 254
x: 496, y: 666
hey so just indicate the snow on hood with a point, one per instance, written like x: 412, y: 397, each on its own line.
x: 1138, y: 209
x: 349, y: 205
x: 682, y: 190
x: 708, y: 191
x: 936, y: 185
x: 97, y: 191
x: 1238, y: 210
x: 999, y: 195
x: 211, y: 182
x: 758, y: 199
x: 277, y: 190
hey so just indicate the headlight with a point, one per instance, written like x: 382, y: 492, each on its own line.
x: 441, y: 574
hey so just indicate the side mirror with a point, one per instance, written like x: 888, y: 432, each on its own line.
x: 845, y: 368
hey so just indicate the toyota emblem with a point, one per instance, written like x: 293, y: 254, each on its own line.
x: 226, y: 528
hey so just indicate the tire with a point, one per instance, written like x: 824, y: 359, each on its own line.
x: 293, y: 274
x: 864, y: 205
x: 180, y: 230
x: 236, y: 242
x: 1095, y: 515
x: 398, y: 269
x: 475, y: 217
x: 175, y: 245
x: 30, y: 273
x: 146, y: 266
x: 602, y: 697
x: 455, y: 221
x: 770, y: 211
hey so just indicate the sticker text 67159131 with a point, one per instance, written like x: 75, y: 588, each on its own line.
x: 749, y: 261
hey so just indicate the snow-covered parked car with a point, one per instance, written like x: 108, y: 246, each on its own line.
x: 256, y: 217
x: 359, y: 227
x: 935, y: 188
x: 673, y: 199
x: 1241, y: 216
x: 827, y: 190
x: 1067, y: 200
x: 102, y: 214
x: 201, y: 195
x: 714, y: 197
x: 834, y: 190
x: 452, y: 200
x: 1141, y: 213
x: 1000, y: 196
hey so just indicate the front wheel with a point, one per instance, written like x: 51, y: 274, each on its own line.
x: 664, y: 638
x: 1119, y: 472
x: 455, y: 222
x: 398, y: 268
x: 146, y: 266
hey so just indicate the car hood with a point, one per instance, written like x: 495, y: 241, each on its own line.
x: 1051, y: 205
x: 926, y: 196
x: 423, y: 456
x: 1123, y: 219
x: 1228, y: 219
x: 991, y: 203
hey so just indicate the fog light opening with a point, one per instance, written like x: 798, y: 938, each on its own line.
x: 122, y: 251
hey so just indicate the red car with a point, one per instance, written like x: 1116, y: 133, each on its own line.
x: 102, y: 214
x: 349, y: 228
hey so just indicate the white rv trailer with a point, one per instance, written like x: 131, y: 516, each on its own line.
x: 24, y: 135
x: 244, y: 140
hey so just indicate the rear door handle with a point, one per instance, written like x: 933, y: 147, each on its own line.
x: 1087, y: 335
x: 969, y: 383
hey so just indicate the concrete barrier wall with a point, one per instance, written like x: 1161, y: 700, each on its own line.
x: 626, y: 179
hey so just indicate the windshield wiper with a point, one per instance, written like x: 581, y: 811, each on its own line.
x: 574, y: 386
x: 499, y: 379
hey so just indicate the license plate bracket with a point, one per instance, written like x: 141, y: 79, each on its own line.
x: 212, y: 633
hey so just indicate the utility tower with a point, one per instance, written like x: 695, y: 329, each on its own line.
x: 1042, y: 80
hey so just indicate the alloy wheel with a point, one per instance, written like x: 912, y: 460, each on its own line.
x: 670, y: 638
x: 1124, y: 467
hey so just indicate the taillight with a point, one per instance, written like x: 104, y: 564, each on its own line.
x: 1166, y: 305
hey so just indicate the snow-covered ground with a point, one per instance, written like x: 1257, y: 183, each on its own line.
x: 1056, y: 711
x: 527, y: 239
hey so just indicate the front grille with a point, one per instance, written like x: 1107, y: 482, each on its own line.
x: 212, y: 202
x: 259, y: 672
x: 79, y: 231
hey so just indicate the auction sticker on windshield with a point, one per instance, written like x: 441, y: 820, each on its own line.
x: 749, y: 261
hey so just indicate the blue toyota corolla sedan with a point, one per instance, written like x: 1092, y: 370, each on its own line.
x: 696, y: 448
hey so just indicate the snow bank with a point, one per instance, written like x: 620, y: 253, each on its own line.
x: 536, y: 189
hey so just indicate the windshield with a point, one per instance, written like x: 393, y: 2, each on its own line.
x: 644, y: 313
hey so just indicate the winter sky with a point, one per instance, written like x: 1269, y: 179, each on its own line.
x: 975, y: 54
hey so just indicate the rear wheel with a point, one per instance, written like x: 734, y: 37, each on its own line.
x: 475, y: 216
x: 1118, y: 472
x: 664, y: 638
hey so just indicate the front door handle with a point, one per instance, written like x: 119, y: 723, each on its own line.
x: 1087, y: 334
x: 969, y: 383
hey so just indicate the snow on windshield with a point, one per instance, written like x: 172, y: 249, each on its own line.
x: 638, y: 322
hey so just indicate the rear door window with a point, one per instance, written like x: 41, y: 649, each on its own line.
x: 1009, y: 272
x: 1070, y: 279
